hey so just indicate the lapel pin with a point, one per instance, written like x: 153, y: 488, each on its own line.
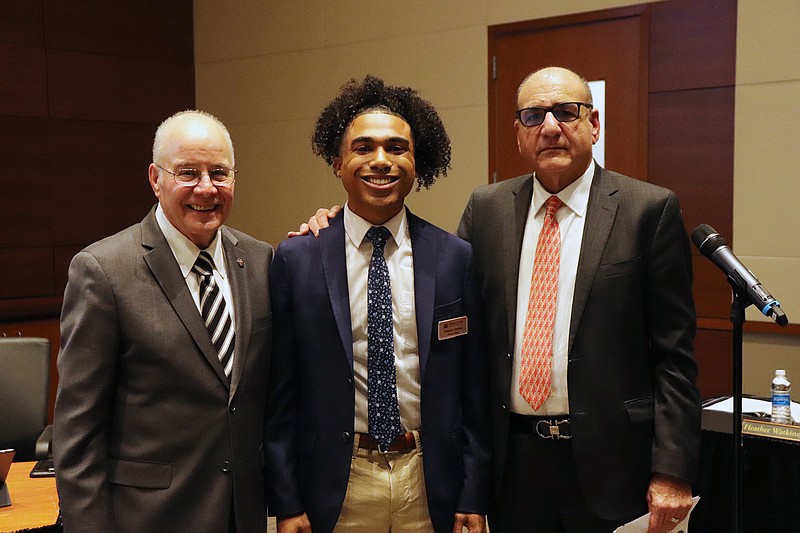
x: 240, y: 262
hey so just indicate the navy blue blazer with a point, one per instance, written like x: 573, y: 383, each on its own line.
x: 309, y: 432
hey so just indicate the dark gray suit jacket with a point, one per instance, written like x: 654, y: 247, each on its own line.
x: 149, y: 436
x: 631, y: 373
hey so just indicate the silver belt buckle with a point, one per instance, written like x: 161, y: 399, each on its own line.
x: 554, y: 431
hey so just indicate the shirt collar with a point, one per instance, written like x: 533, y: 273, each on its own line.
x: 575, y: 195
x: 356, y: 227
x: 184, y: 250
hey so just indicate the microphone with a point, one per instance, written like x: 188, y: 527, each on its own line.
x: 712, y: 245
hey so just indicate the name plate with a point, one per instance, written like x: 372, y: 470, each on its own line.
x: 455, y: 327
x: 770, y: 430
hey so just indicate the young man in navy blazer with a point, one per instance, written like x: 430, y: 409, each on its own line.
x: 329, y: 464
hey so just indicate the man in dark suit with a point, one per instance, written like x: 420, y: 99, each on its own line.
x: 342, y: 366
x: 618, y: 421
x: 159, y: 419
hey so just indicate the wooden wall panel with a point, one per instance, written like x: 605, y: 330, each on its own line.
x: 23, y: 82
x: 692, y: 97
x: 102, y: 169
x: 83, y: 87
x: 27, y: 272
x: 691, y: 152
x: 62, y: 255
x: 714, y: 353
x: 27, y: 182
x: 147, y: 29
x: 712, y: 294
x: 693, y: 44
x: 21, y: 22
x: 114, y: 88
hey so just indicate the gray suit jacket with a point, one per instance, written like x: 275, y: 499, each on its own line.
x: 631, y: 374
x: 149, y: 436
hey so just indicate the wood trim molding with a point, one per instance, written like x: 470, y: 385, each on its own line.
x: 567, y: 20
x: 750, y: 326
x: 14, y: 310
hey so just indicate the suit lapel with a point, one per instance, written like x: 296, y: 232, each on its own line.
x: 236, y: 267
x: 334, y: 265
x: 512, y: 237
x: 161, y: 261
x: 424, y: 250
x: 600, y: 214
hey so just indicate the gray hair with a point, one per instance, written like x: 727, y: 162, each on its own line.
x: 164, y: 127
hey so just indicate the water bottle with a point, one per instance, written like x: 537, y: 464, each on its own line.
x: 781, y: 401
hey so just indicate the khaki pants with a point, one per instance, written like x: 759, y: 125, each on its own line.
x: 385, y: 493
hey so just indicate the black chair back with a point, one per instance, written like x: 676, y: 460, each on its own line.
x: 24, y: 386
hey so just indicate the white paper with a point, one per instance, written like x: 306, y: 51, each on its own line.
x: 640, y: 524
x: 751, y: 406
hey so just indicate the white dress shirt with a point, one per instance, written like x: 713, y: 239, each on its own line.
x: 571, y: 219
x: 186, y: 252
x: 400, y: 263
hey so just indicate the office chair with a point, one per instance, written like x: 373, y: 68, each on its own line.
x: 24, y: 386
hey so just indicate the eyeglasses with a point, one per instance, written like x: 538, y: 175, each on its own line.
x: 566, y: 112
x: 191, y: 176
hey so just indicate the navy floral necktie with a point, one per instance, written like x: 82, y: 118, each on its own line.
x: 383, y: 410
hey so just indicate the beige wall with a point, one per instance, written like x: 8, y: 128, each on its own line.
x: 267, y: 68
x: 766, y: 199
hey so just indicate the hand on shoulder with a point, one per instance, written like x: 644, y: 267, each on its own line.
x: 317, y: 222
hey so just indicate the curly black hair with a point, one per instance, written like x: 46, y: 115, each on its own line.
x: 431, y: 143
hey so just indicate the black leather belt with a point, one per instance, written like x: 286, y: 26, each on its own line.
x: 546, y: 427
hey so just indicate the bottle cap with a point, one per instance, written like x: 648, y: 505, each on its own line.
x: 780, y: 372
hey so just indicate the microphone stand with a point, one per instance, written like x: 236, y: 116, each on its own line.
x: 737, y: 319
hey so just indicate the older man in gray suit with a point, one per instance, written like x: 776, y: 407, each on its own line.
x: 165, y: 341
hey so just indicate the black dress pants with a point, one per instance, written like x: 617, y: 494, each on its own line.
x: 541, y: 493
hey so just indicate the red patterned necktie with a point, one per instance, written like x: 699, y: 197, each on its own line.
x: 537, y: 340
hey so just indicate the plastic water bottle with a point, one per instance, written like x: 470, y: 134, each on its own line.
x: 781, y: 400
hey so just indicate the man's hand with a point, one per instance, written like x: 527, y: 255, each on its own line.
x: 669, y: 500
x: 475, y: 523
x: 294, y: 524
x: 317, y: 222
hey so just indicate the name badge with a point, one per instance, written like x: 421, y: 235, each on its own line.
x: 454, y: 327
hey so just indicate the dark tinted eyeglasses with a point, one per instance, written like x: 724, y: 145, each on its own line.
x: 566, y: 112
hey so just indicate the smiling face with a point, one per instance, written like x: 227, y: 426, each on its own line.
x: 376, y: 165
x: 559, y: 152
x: 197, y: 212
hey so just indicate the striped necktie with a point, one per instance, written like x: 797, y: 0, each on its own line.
x: 215, y: 312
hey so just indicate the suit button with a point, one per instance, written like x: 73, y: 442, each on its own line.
x: 233, y: 408
x: 508, y: 355
x: 504, y: 407
x: 226, y: 466
x: 346, y: 436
